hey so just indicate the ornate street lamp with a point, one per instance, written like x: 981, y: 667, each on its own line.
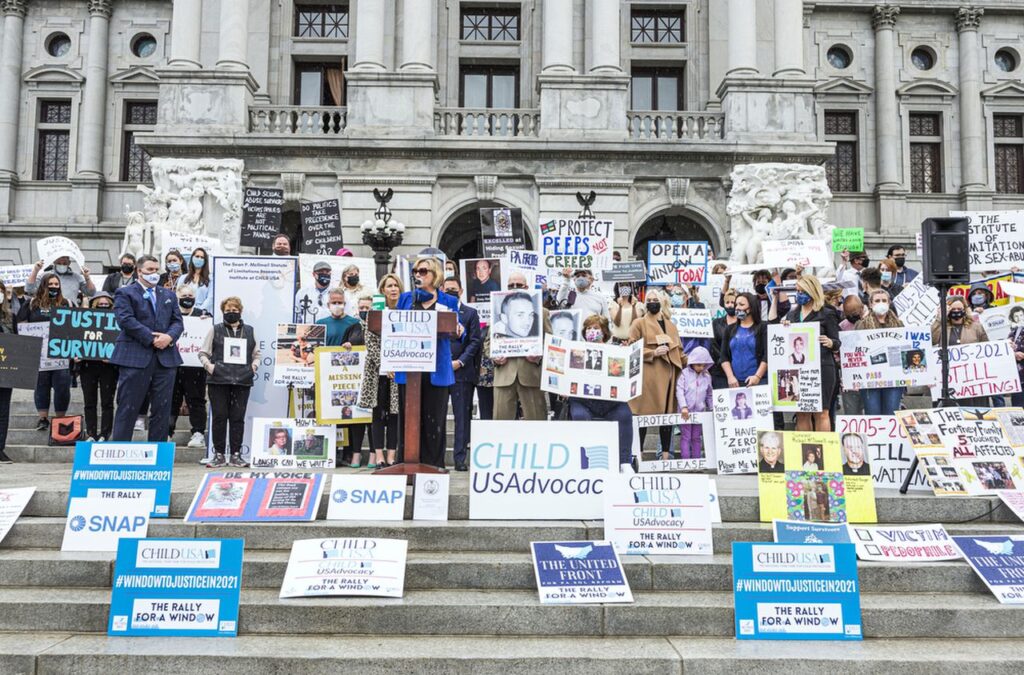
x: 382, y: 234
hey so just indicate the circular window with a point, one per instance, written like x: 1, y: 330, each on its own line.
x: 143, y: 45
x: 1006, y: 60
x: 58, y: 45
x: 923, y: 58
x: 839, y: 57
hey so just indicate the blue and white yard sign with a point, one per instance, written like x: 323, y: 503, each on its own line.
x: 579, y: 572
x: 999, y: 561
x: 176, y: 587
x: 796, y: 591
x: 803, y: 532
x: 122, y: 470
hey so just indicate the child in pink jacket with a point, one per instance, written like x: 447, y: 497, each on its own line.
x: 693, y: 391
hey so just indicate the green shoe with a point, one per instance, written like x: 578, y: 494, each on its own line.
x: 371, y: 465
x: 354, y: 465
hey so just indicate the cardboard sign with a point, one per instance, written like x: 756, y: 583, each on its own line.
x: 847, y: 239
x: 408, y: 341
x: 903, y: 543
x: 346, y: 566
x: 805, y: 253
x: 361, y: 497
x: 527, y: 263
x: 117, y: 470
x: 917, y: 304
x: 261, y: 216
x: 578, y: 573
x: 802, y: 532
x: 15, y: 276
x: 594, y: 370
x: 677, y: 262
x: 981, y: 369
x: 658, y: 514
x: 12, y: 502
x: 889, y: 452
x: 692, y: 322
x: 176, y: 587
x: 578, y: 243
x: 430, y: 499
x: 1000, y: 323
x: 739, y: 414
x: 191, y: 341
x: 321, y: 227
x: 339, y: 378
x: 51, y: 248
x: 41, y: 329
x: 291, y: 444
x: 517, y: 324
x: 628, y: 271
x: 999, y: 561
x: 186, y: 242
x: 540, y: 470
x: 19, y: 360
x: 794, y: 367
x: 696, y: 450
x: 888, y: 357
x: 796, y: 592
x: 97, y: 524
x: 996, y: 239
x: 501, y: 231
x: 250, y: 497
x: 85, y: 334
x: 295, y: 355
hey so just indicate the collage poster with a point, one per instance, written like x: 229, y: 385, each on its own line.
x: 888, y: 357
x: 292, y: 444
x: 739, y: 414
x: 294, y: 355
x: 594, y: 370
x: 794, y: 367
x: 339, y: 377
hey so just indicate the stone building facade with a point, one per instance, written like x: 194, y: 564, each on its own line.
x: 915, y: 107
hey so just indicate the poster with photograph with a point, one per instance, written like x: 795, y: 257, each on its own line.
x: 294, y: 357
x: 739, y: 414
x: 579, y: 243
x: 517, y: 323
x: 318, y: 274
x: 566, y: 323
x: 925, y: 428
x: 253, y: 497
x: 480, y: 278
x: 579, y: 572
x: 903, y: 543
x: 1001, y: 323
x: 658, y: 514
x: 889, y: 453
x: 41, y: 329
x: 794, y: 367
x: 346, y: 566
x: 888, y: 357
x: 982, y: 369
x: 501, y: 230
x: 592, y: 369
x: 291, y: 444
x: 692, y: 446
x: 983, y: 457
x: 339, y: 378
x: 1012, y: 421
x: 677, y: 262
x: 806, y: 475
x: 408, y: 341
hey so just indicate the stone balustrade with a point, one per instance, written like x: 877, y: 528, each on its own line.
x: 298, y: 120
x: 646, y: 125
x: 498, y: 122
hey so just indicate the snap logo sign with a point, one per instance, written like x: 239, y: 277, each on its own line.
x: 367, y: 498
x: 96, y: 524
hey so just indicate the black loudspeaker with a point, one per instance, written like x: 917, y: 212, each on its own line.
x: 947, y: 253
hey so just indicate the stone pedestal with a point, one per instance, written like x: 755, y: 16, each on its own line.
x: 759, y: 108
x: 583, y: 105
x: 218, y: 101
x: 400, y: 103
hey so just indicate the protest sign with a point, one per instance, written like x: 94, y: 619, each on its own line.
x: 806, y: 475
x: 925, y: 428
x: 41, y: 329
x: 1012, y: 421
x: 996, y: 239
x: 501, y: 231
x: 176, y: 587
x: 250, y: 497
x: 805, y: 253
x: 291, y: 443
x: 321, y: 227
x: 1014, y: 500
x: 677, y: 262
x: 802, y: 532
x: 19, y: 360
x: 658, y: 513
x: 191, y: 341
x: 14, y: 276
x: 595, y: 370
x: 339, y: 377
x: 346, y: 566
x: 294, y: 357
x: 917, y: 304
x: 124, y: 471
x: 49, y: 249
x: 517, y: 324
x: 528, y: 263
x: 903, y: 543
x: 847, y: 239
x: 889, y: 452
x: 794, y: 367
x: 430, y: 498
x: 999, y: 561
x: 480, y: 278
x: 1000, y: 322
x: 978, y: 460
x: 579, y: 243
x: 981, y: 369
x: 540, y: 470
x: 84, y: 334
x: 692, y: 322
x: 97, y: 523
x: 261, y: 216
x: 12, y: 502
x: 408, y: 341
x: 1012, y: 289
x: 710, y: 294
x: 566, y: 323
x: 696, y: 451
x: 796, y: 592
x: 355, y: 497
x: 578, y: 572
x: 993, y: 283
x: 186, y: 242
x: 739, y: 414
x: 888, y: 357
x: 629, y: 271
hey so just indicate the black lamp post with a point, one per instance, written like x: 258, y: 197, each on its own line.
x: 382, y: 234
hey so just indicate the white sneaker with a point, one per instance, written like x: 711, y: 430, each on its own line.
x: 197, y: 441
x: 206, y: 460
x: 626, y: 468
x: 139, y: 426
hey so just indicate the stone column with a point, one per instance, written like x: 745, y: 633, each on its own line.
x: 972, y: 122
x: 369, y: 35
x: 603, y: 26
x: 186, y: 28
x: 557, y: 25
x: 887, y: 131
x: 789, y: 38
x: 742, y: 38
x: 10, y: 83
x: 94, y: 93
x: 417, y: 35
x: 234, y: 35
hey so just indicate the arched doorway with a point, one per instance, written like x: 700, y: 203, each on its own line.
x: 460, y: 238
x: 670, y: 226
x: 291, y: 224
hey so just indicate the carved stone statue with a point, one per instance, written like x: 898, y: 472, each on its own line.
x: 774, y: 202
x: 136, y: 234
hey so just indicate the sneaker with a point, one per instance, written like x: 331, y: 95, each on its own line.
x: 197, y: 440
x: 236, y: 460
x: 217, y: 462
x: 4, y: 459
x: 205, y: 461
x: 43, y: 424
x: 90, y: 439
x: 101, y: 439
x: 139, y: 425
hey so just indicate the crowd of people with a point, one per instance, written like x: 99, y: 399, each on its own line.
x: 150, y: 297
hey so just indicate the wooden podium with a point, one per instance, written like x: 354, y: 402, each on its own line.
x: 447, y: 324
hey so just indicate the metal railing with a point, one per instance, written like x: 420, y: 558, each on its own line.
x: 293, y: 119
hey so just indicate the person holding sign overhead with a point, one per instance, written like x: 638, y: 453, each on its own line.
x: 810, y: 301
x: 663, y: 362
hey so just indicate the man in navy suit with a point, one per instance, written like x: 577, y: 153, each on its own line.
x: 466, y: 355
x: 144, y: 353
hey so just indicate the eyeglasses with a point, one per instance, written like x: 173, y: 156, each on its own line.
x: 421, y: 271
x: 516, y: 286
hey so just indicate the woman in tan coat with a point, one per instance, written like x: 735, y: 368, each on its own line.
x: 663, y: 361
x: 962, y: 330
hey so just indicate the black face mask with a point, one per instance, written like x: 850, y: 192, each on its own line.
x: 730, y: 311
x: 852, y: 318
x: 453, y: 293
x: 363, y: 314
x: 956, y: 314
x: 653, y: 307
x: 900, y: 261
x: 760, y: 288
x: 187, y: 303
x: 353, y: 280
x: 53, y: 292
x: 232, y: 317
x: 323, y: 279
x: 127, y: 268
x: 784, y: 307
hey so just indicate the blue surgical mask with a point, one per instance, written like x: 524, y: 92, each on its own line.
x: 198, y: 263
x: 173, y: 267
x: 886, y: 277
x: 582, y: 283
x: 803, y: 298
x: 677, y: 300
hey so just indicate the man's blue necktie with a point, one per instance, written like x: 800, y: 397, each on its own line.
x: 151, y: 294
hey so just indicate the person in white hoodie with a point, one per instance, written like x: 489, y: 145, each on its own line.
x: 584, y: 297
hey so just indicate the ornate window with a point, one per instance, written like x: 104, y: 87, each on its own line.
x: 53, y: 140
x: 657, y: 25
x: 1009, y: 153
x: 139, y: 116
x: 841, y: 170
x: 925, y: 152
x: 492, y: 24
x: 321, y: 21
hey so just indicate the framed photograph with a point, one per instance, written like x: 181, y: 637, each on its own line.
x: 234, y: 351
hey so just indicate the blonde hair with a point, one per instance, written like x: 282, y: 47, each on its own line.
x: 384, y: 279
x: 231, y: 300
x: 659, y: 295
x: 435, y: 269
x: 730, y: 294
x: 810, y: 285
x: 349, y: 268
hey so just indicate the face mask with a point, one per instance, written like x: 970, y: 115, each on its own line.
x: 363, y: 314
x: 174, y: 267
x: 323, y: 279
x: 353, y: 280
x: 853, y: 318
x: 977, y: 300
x: 53, y: 292
x: 741, y: 314
x: 453, y: 293
x: 449, y: 275
x: 886, y: 277
x: 232, y: 317
x: 103, y: 307
x: 582, y: 283
x: 151, y: 279
x: 956, y: 314
x: 336, y: 309
x: 730, y: 311
x: 677, y: 300
x: 863, y: 262
x: 760, y: 288
x: 187, y: 303
x: 880, y: 308
x: 653, y: 307
x: 127, y: 268
x: 900, y: 261
x: 802, y: 298
x: 198, y: 263
x: 61, y: 269
x: 593, y: 335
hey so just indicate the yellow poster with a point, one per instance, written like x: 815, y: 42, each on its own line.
x: 339, y: 377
